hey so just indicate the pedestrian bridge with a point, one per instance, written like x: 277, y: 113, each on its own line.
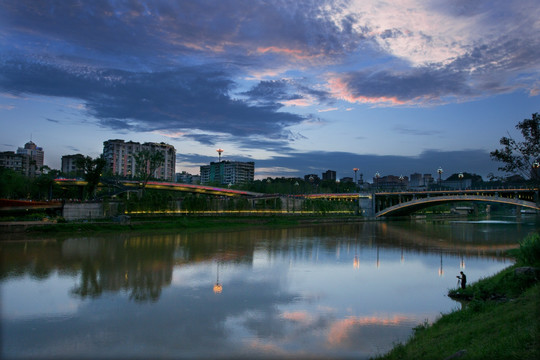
x: 403, y: 203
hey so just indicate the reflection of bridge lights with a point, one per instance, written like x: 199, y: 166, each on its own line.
x: 356, y: 262
x: 441, y: 271
x: 462, y: 263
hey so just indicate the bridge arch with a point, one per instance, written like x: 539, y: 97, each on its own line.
x: 409, y: 207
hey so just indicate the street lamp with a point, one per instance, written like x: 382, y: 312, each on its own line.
x: 460, y: 176
x: 355, y: 181
x: 377, y: 176
x: 535, y: 166
x: 219, y: 151
x: 440, y: 171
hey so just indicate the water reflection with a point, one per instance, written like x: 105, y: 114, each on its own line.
x: 256, y: 293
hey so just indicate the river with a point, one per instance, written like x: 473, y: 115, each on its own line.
x: 325, y: 291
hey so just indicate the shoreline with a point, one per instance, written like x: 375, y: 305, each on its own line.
x: 11, y: 230
x: 499, y: 320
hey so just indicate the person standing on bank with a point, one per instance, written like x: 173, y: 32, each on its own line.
x: 463, y: 279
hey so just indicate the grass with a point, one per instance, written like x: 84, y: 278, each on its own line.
x: 501, y: 320
x: 165, y: 223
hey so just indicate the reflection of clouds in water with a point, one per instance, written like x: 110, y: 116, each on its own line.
x: 27, y: 298
x: 284, y: 299
x: 300, y: 333
x: 341, y: 330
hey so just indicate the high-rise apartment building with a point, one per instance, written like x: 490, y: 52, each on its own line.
x: 37, y: 156
x: 329, y: 175
x: 228, y: 172
x: 120, y: 158
x: 17, y: 162
x: 70, y: 164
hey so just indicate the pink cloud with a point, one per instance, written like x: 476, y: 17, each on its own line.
x: 340, y: 90
x: 340, y: 330
x: 298, y: 102
x: 172, y: 135
x: 329, y: 109
x: 294, y: 53
x: 298, y: 316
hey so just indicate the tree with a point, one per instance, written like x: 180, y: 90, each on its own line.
x: 146, y: 163
x: 92, y: 169
x: 521, y: 158
x: 13, y: 184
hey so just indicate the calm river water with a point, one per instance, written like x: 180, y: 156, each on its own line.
x: 324, y: 291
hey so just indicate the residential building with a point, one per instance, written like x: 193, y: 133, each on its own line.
x: 187, y: 178
x: 428, y: 180
x: 416, y: 181
x: 391, y: 182
x: 70, y: 165
x: 21, y: 163
x: 37, y: 156
x: 228, y: 172
x: 120, y: 158
x: 329, y: 175
x: 420, y: 182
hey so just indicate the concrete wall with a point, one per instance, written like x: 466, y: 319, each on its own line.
x: 85, y: 211
x: 366, y: 207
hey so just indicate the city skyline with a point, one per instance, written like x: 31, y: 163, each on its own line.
x: 298, y: 88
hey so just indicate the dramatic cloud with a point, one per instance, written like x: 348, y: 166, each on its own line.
x: 416, y: 86
x: 286, y: 92
x: 185, y: 98
x: 261, y: 74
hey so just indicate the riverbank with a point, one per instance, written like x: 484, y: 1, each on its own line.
x: 499, y: 320
x: 169, y: 223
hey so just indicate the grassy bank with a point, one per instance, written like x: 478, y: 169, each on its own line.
x: 179, y: 223
x: 500, y: 318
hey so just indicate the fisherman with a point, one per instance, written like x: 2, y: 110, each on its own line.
x: 463, y: 279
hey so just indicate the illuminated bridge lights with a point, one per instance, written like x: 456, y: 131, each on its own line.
x: 351, y: 196
x: 232, y: 212
x: 167, y: 186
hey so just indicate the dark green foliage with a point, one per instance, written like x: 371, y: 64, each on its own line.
x: 519, y: 157
x: 147, y: 162
x: 529, y: 250
x: 92, y: 169
x: 501, y: 320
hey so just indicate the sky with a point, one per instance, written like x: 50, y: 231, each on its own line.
x: 299, y: 87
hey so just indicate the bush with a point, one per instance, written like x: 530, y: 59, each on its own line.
x: 529, y: 250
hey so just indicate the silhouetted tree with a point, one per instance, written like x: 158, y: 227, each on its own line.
x: 147, y: 162
x: 519, y: 158
x: 92, y: 169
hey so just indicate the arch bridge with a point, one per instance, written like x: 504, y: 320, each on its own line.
x: 400, y: 203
